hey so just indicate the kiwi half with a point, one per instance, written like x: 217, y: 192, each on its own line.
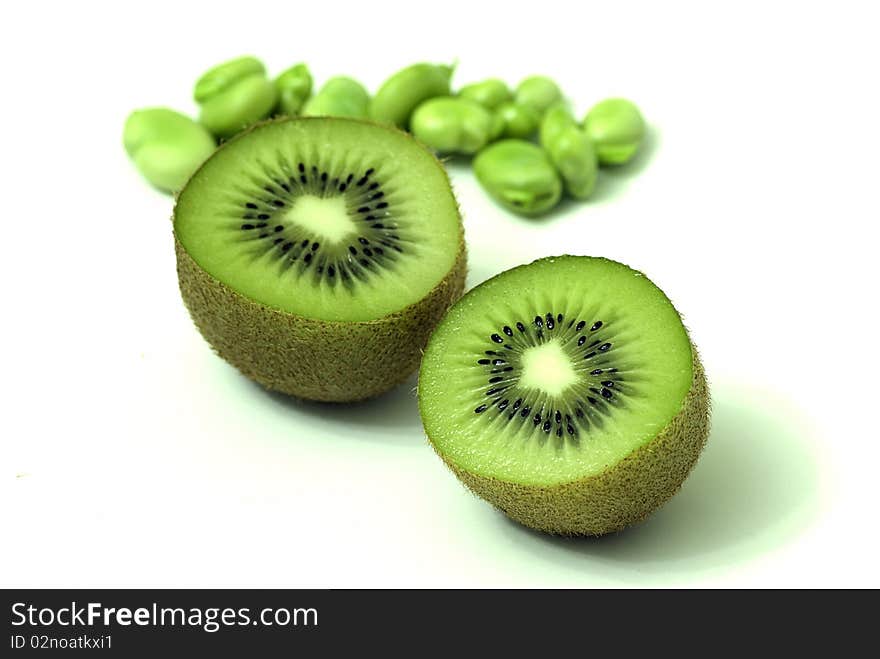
x: 317, y: 254
x: 567, y: 393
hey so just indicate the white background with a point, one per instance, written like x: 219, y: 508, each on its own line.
x: 132, y: 456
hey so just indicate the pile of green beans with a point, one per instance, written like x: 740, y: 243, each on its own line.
x: 527, y: 146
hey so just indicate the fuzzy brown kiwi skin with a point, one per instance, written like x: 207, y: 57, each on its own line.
x: 308, y: 358
x: 313, y: 359
x: 625, y: 494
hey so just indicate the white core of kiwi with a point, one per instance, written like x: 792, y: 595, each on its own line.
x: 326, y: 218
x: 547, y: 368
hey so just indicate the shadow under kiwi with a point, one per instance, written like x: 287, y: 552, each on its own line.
x: 755, y: 488
x: 392, y: 417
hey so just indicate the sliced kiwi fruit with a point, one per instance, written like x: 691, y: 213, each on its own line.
x: 317, y: 254
x: 567, y: 393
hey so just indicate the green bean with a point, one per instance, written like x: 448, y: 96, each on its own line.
x: 616, y: 128
x: 223, y: 76
x: 519, y: 175
x: 452, y: 124
x: 538, y: 92
x: 573, y: 155
x: 489, y: 93
x: 570, y: 151
x: 496, y: 130
x: 166, y: 146
x: 515, y: 120
x: 234, y: 95
x: 294, y: 88
x: 555, y: 120
x: 339, y: 97
x: 238, y: 106
x: 404, y: 91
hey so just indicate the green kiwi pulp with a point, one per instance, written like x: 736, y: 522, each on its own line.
x: 316, y: 254
x: 567, y: 393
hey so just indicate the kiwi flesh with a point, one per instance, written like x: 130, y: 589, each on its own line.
x: 567, y: 393
x: 317, y: 254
